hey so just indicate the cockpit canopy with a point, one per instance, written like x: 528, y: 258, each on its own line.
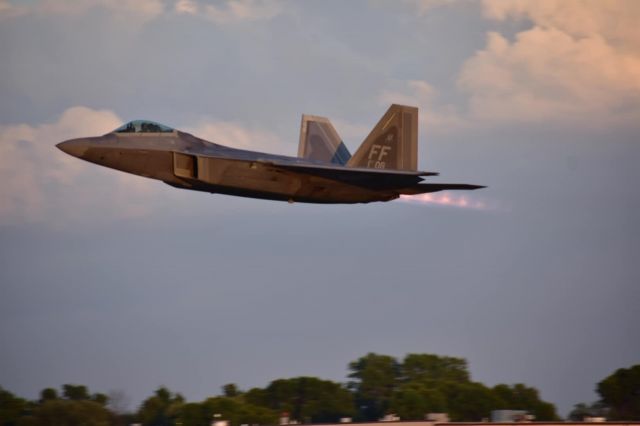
x: 143, y: 126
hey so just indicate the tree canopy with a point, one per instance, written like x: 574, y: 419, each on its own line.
x: 620, y: 392
x: 377, y: 385
x: 427, y: 383
x: 307, y: 399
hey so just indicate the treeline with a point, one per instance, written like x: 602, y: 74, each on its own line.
x: 378, y: 385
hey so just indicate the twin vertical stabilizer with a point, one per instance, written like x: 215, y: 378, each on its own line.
x: 392, y: 144
x: 319, y: 141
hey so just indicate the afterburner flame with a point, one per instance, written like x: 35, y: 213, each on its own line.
x: 444, y: 199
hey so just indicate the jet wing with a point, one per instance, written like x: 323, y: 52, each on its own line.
x: 364, y: 177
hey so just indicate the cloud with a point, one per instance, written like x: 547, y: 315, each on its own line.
x: 136, y: 9
x: 424, y: 6
x: 615, y: 21
x: 227, y: 12
x: 10, y: 10
x: 352, y: 134
x: 189, y: 7
x: 434, y: 116
x: 236, y: 135
x: 43, y: 185
x: 579, y: 62
x: 231, y: 11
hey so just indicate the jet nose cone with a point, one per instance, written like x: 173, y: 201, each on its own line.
x: 75, y: 147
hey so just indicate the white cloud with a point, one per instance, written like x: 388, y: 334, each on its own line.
x: 616, y: 21
x: 236, y: 135
x: 44, y: 185
x: 231, y: 11
x: 10, y: 10
x: 186, y: 6
x: 352, y: 134
x: 580, y: 62
x: 223, y: 12
x: 140, y: 10
x: 433, y: 116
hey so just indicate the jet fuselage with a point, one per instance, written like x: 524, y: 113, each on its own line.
x: 185, y: 161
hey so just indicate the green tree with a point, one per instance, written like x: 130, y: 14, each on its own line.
x: 430, y: 368
x: 620, y: 392
x: 469, y: 402
x: 62, y: 412
x: 12, y: 408
x: 75, y: 392
x: 412, y: 401
x: 582, y: 410
x: 375, y: 377
x: 161, y: 409
x: 100, y: 398
x: 48, y: 394
x: 522, y: 397
x: 230, y: 390
x: 234, y: 410
x: 306, y: 399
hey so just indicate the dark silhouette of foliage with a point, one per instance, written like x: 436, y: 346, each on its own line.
x: 581, y: 411
x: 374, y: 379
x: 620, y: 392
x: 12, y: 408
x: 75, y: 392
x: 161, y: 409
x: 378, y: 385
x: 521, y: 397
x: 306, y: 399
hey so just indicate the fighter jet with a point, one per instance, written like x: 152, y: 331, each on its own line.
x: 383, y: 168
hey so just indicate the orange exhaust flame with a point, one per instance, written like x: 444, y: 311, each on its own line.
x: 444, y: 199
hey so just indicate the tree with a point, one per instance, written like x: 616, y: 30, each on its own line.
x: 234, y: 410
x: 48, y: 394
x: 230, y: 390
x: 620, y: 392
x: 100, y: 398
x: 470, y: 402
x: 522, y: 397
x: 160, y: 409
x: 429, y: 368
x: 582, y: 410
x: 375, y: 378
x: 412, y: 401
x: 12, y: 408
x: 75, y: 392
x: 62, y: 412
x: 307, y: 399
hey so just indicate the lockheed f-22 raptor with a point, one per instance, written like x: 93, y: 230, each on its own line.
x: 383, y: 168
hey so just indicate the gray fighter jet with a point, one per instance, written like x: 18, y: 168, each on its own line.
x: 382, y: 169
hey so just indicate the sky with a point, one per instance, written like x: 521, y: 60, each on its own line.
x: 123, y: 283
